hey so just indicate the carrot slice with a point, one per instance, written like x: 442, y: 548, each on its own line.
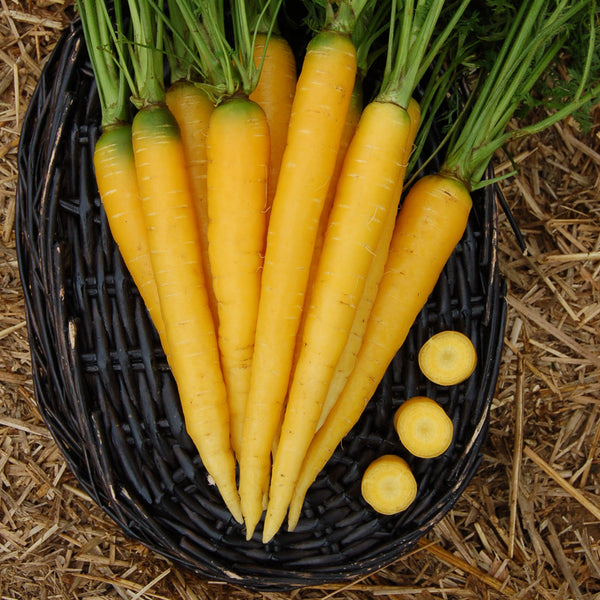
x: 447, y: 358
x: 389, y: 485
x: 423, y: 427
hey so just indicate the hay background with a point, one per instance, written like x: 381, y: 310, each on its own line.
x: 528, y: 525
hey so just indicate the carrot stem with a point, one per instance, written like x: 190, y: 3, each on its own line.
x: 534, y: 40
x: 104, y: 46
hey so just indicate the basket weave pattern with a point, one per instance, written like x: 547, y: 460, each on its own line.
x: 105, y: 391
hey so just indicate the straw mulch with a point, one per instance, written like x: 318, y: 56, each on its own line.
x: 528, y: 526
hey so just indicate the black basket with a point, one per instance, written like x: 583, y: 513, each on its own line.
x: 107, y: 395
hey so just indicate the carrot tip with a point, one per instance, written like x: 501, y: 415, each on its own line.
x: 447, y: 358
x: 273, y: 519
x: 294, y: 513
x: 237, y: 514
x: 250, y: 520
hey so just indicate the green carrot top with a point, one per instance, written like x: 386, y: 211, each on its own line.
x: 146, y: 52
x: 414, y: 41
x: 104, y: 44
x: 214, y: 45
x: 537, y: 34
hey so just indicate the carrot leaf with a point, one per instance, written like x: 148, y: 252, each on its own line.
x: 146, y: 52
x: 413, y: 44
x: 218, y: 42
x: 507, y: 78
x: 104, y: 44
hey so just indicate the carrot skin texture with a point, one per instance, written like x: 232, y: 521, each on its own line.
x: 348, y: 357
x: 192, y: 107
x: 430, y: 223
x: 174, y: 238
x: 352, y: 119
x: 318, y: 116
x: 238, y: 161
x: 116, y: 178
x: 367, y: 191
x: 274, y: 93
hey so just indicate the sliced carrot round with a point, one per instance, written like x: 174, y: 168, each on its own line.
x: 423, y: 427
x: 389, y: 485
x: 447, y: 358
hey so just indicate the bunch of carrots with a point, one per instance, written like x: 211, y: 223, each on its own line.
x: 257, y: 200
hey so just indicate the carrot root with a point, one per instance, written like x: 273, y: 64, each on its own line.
x: 367, y: 191
x: 318, y: 114
x: 174, y: 240
x: 431, y: 222
x: 238, y: 158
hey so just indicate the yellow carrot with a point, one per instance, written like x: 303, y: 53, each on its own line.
x: 238, y: 159
x: 366, y: 193
x: 238, y: 154
x: 418, y: 253
x: 360, y: 225
x: 347, y: 359
x: 317, y: 120
x: 174, y: 239
x: 431, y: 222
x: 355, y: 228
x: 175, y: 250
x: 274, y: 93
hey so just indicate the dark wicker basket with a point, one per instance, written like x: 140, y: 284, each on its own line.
x: 109, y: 400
